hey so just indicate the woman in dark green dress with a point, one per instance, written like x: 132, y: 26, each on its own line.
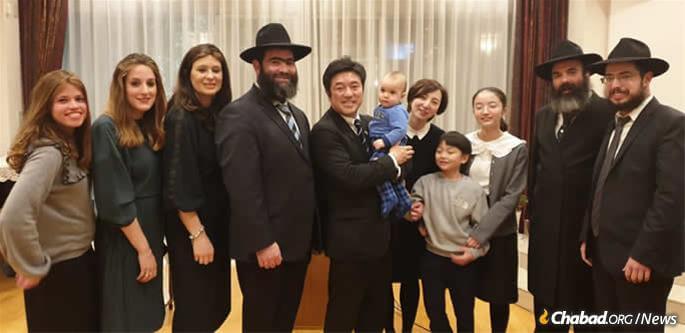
x: 127, y: 182
x: 195, y: 197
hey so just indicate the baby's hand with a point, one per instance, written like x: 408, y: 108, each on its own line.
x: 378, y: 144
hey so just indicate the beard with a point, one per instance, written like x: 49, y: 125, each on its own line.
x: 275, y: 91
x: 631, y: 103
x: 575, y: 101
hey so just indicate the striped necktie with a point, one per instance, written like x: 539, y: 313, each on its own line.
x: 360, y: 133
x: 289, y: 120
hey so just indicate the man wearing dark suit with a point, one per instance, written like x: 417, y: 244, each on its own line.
x: 567, y: 135
x: 633, y: 234
x: 263, y: 148
x: 357, y: 238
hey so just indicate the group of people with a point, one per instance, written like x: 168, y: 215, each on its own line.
x: 387, y: 198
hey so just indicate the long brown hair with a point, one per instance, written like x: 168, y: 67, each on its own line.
x: 119, y: 109
x: 184, y: 94
x: 39, y: 124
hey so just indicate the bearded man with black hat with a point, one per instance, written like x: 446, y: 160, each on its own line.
x: 567, y: 135
x: 633, y: 234
x: 263, y: 149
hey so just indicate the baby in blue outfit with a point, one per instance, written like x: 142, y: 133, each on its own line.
x: 388, y: 128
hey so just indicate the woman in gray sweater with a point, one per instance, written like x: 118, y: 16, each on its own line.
x: 499, y: 166
x: 47, y: 223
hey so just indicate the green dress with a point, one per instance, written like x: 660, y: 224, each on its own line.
x: 127, y: 184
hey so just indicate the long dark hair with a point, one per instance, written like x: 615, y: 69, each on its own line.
x: 502, y: 98
x: 184, y: 94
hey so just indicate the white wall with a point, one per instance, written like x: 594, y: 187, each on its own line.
x: 10, y: 73
x: 598, y: 25
x: 589, y: 27
x: 658, y: 23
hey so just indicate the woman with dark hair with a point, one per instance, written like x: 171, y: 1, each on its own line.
x: 47, y: 223
x: 127, y: 184
x: 426, y: 99
x: 499, y: 165
x: 194, y: 195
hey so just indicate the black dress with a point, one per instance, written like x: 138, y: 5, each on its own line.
x: 406, y: 242
x: 127, y: 183
x: 192, y: 182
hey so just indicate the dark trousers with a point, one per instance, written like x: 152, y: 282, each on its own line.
x: 357, y: 295
x: 439, y: 273
x: 618, y: 296
x: 409, y: 304
x: 66, y: 300
x: 271, y: 297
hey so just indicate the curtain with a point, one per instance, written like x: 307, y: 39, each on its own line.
x: 42, y: 26
x: 540, y: 26
x: 463, y: 44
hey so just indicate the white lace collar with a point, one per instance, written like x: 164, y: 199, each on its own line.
x: 499, y: 147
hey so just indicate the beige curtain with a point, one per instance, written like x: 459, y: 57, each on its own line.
x: 464, y: 44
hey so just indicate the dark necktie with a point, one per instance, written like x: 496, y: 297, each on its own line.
x: 359, y: 130
x: 604, y: 172
x: 567, y: 120
x: 289, y: 120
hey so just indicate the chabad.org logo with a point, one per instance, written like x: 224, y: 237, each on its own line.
x: 605, y: 318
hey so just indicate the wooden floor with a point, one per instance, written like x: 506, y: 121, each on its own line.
x: 12, y: 318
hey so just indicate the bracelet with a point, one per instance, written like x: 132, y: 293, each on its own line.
x: 197, y: 234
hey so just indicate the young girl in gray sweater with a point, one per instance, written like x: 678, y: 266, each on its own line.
x: 47, y: 223
x: 451, y: 205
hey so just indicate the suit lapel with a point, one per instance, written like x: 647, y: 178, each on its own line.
x: 351, y: 138
x: 635, y: 130
x: 271, y: 112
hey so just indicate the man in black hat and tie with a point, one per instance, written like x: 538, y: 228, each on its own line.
x: 567, y: 135
x: 263, y: 149
x: 633, y: 234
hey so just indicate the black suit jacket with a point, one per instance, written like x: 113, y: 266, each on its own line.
x: 268, y: 176
x: 559, y: 184
x: 642, y: 201
x: 349, y: 204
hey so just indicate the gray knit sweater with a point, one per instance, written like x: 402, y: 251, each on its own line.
x: 48, y: 216
x: 452, y: 208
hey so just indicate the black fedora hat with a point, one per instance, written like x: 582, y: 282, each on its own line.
x: 631, y: 50
x: 566, y: 50
x: 274, y: 35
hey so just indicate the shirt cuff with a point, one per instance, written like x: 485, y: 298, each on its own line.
x: 397, y: 166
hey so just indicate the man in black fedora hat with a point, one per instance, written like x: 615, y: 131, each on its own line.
x: 633, y: 234
x: 567, y: 135
x: 263, y: 150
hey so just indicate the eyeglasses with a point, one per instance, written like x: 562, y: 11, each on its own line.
x: 620, y: 79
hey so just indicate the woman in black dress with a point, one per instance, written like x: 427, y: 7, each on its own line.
x: 195, y: 197
x: 426, y: 99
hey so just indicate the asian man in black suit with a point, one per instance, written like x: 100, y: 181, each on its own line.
x: 357, y: 237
